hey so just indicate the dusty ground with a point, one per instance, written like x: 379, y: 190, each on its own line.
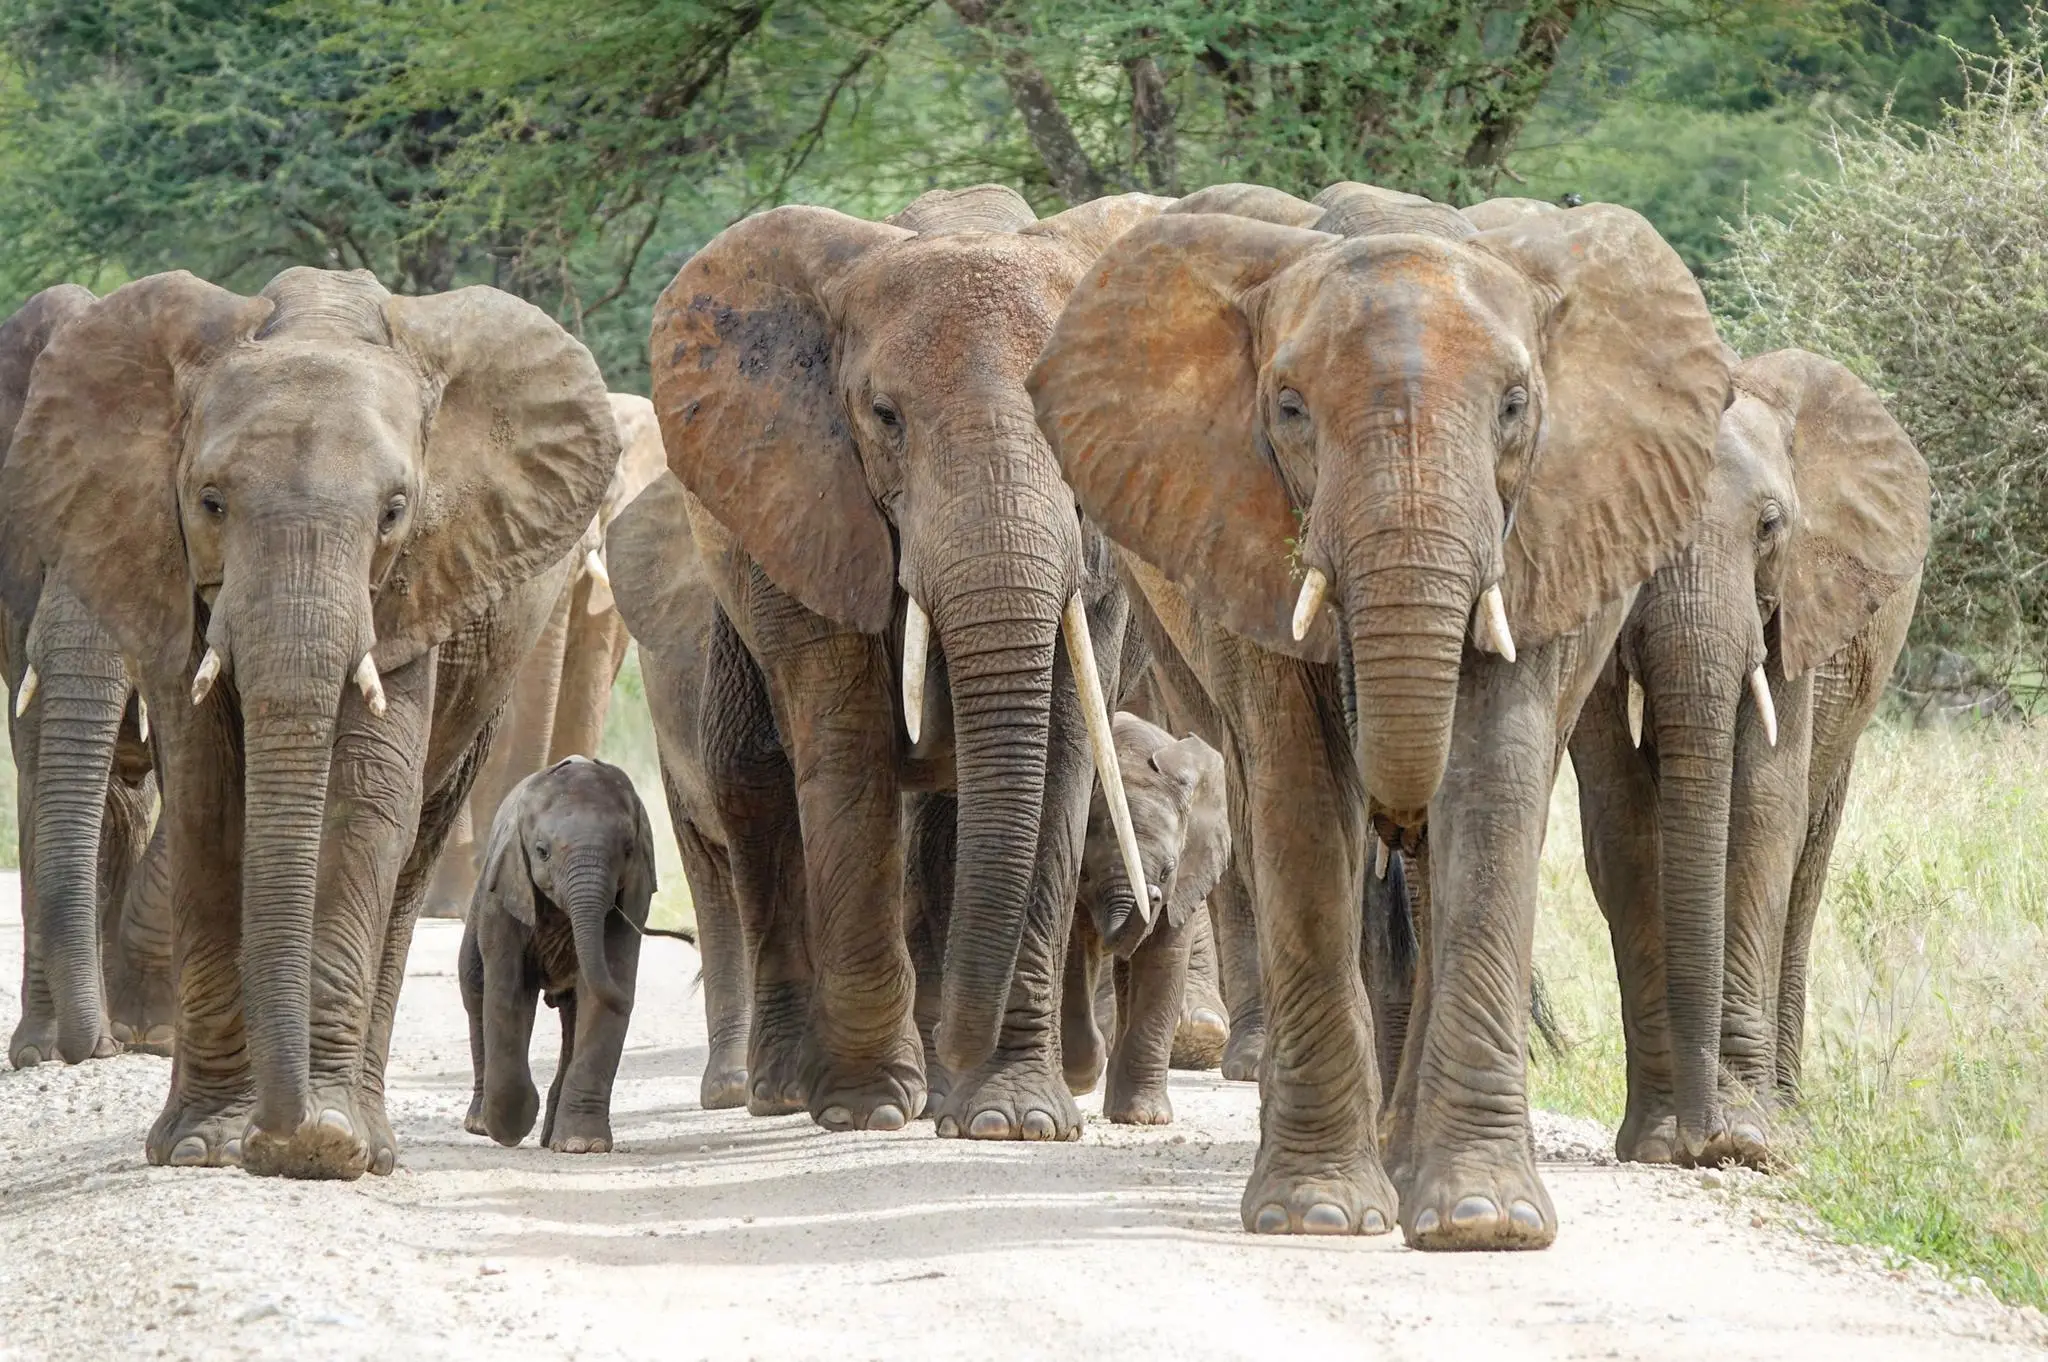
x: 714, y: 1235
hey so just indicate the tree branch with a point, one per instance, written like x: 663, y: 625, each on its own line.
x: 1073, y: 175
x: 1152, y: 127
x: 1502, y: 114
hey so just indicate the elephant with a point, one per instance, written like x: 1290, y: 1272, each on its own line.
x: 664, y: 594
x: 1180, y: 813
x: 1713, y: 757
x: 845, y: 398
x: 323, y: 523
x: 1386, y: 491
x: 564, y: 690
x: 96, y: 932
x: 560, y: 904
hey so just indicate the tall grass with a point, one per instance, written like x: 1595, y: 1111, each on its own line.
x: 1925, y: 1122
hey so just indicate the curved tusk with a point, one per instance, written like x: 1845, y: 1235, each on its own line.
x: 917, y: 642
x: 1314, y: 587
x: 202, y: 680
x: 1760, y: 691
x: 1081, y: 653
x: 1380, y: 856
x: 601, y: 598
x: 1493, y: 624
x: 29, y: 682
x: 371, y: 685
x: 141, y: 717
x: 1635, y: 713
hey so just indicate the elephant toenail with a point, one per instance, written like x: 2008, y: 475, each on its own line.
x: 989, y: 1125
x: 1473, y: 1211
x: 159, y: 1034
x: 1039, y: 1126
x: 1271, y: 1220
x: 1525, y: 1217
x: 123, y: 1032
x: 888, y: 1116
x: 231, y: 1152
x: 383, y: 1163
x: 1323, y: 1218
x: 1748, y: 1136
x: 28, y: 1058
x: 1375, y: 1223
x: 337, y: 1121
x: 837, y: 1117
x: 189, y: 1152
x: 948, y: 1128
x: 1204, y: 1017
x: 1427, y: 1222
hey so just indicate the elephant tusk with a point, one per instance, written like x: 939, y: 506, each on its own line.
x: 1635, y: 713
x: 1314, y: 587
x: 371, y: 685
x: 1760, y: 690
x: 1381, y: 855
x: 1493, y: 624
x: 917, y: 642
x: 202, y: 680
x: 1088, y: 681
x: 29, y: 681
x: 141, y: 717
x: 601, y: 576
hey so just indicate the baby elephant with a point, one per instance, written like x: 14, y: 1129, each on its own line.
x: 1182, y: 820
x: 560, y: 901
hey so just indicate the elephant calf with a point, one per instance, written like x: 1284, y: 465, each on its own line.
x: 569, y: 846
x: 1182, y: 820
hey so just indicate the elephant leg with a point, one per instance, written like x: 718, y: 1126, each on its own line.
x: 1808, y: 880
x: 866, y: 1069
x: 525, y: 728
x: 590, y: 664
x: 580, y: 1111
x: 511, y: 997
x: 1082, y: 1052
x: 1618, y: 827
x: 469, y: 978
x: 1237, y: 959
x: 1202, y: 1029
x: 454, y: 879
x: 140, y: 993
x: 1464, y: 1154
x: 212, y: 1089
x: 723, y: 950
x: 1387, y: 959
x: 931, y: 825
x: 1302, y: 834
x: 1151, y: 986
x: 564, y: 1009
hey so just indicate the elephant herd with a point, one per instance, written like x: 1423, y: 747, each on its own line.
x: 1235, y: 567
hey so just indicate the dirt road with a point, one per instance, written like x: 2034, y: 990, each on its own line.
x: 714, y: 1235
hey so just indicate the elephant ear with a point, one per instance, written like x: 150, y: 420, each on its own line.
x: 24, y: 336
x: 977, y: 208
x: 1093, y: 227
x: 1354, y: 209
x: 1148, y: 393
x: 503, y: 883
x: 1205, y: 827
x: 640, y: 879
x: 1506, y: 212
x: 1251, y: 201
x: 1862, y: 530
x: 520, y: 446
x: 755, y: 426
x: 641, y: 460
x: 657, y: 577
x: 1634, y: 382
x: 88, y: 491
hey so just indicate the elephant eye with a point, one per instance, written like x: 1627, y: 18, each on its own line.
x: 886, y: 413
x: 1291, y: 405
x: 540, y: 850
x: 394, y: 512
x: 216, y: 505
x: 1513, y: 403
x: 1770, y: 522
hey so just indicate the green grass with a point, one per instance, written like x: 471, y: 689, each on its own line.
x: 1925, y: 1125
x: 628, y: 744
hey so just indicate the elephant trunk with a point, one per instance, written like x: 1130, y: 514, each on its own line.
x: 1694, y: 672
x: 81, y: 697
x: 290, y: 639
x: 589, y: 892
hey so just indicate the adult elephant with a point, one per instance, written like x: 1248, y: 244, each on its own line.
x: 847, y: 399
x: 564, y: 689
x: 96, y: 958
x: 324, y: 522
x: 1714, y: 756
x: 1472, y: 444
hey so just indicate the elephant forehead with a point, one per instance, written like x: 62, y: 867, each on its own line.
x: 938, y: 295
x: 1751, y: 451
x: 309, y: 397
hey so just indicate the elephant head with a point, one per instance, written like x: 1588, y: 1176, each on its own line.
x: 847, y: 398
x: 1816, y: 514
x: 1182, y: 818
x: 271, y: 501
x: 1448, y: 433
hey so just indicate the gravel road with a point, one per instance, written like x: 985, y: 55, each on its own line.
x: 715, y: 1235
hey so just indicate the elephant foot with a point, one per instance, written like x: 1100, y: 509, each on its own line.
x: 1297, y: 1193
x: 1481, y: 1196
x: 473, y: 1119
x: 1648, y: 1136
x: 331, y: 1142
x: 35, y: 1040
x: 581, y: 1134
x: 377, y: 1133
x: 1138, y: 1104
x: 1012, y: 1099
x: 775, y: 1084
x: 144, y: 1038
x: 1083, y: 1074
x: 722, y: 1087
x: 1241, y: 1055
x: 198, y: 1134
x: 1200, y: 1040
x: 880, y: 1096
x: 938, y: 1087
x: 776, y: 1051
x: 1743, y: 1139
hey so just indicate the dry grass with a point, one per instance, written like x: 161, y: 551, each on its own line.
x: 1925, y: 1126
